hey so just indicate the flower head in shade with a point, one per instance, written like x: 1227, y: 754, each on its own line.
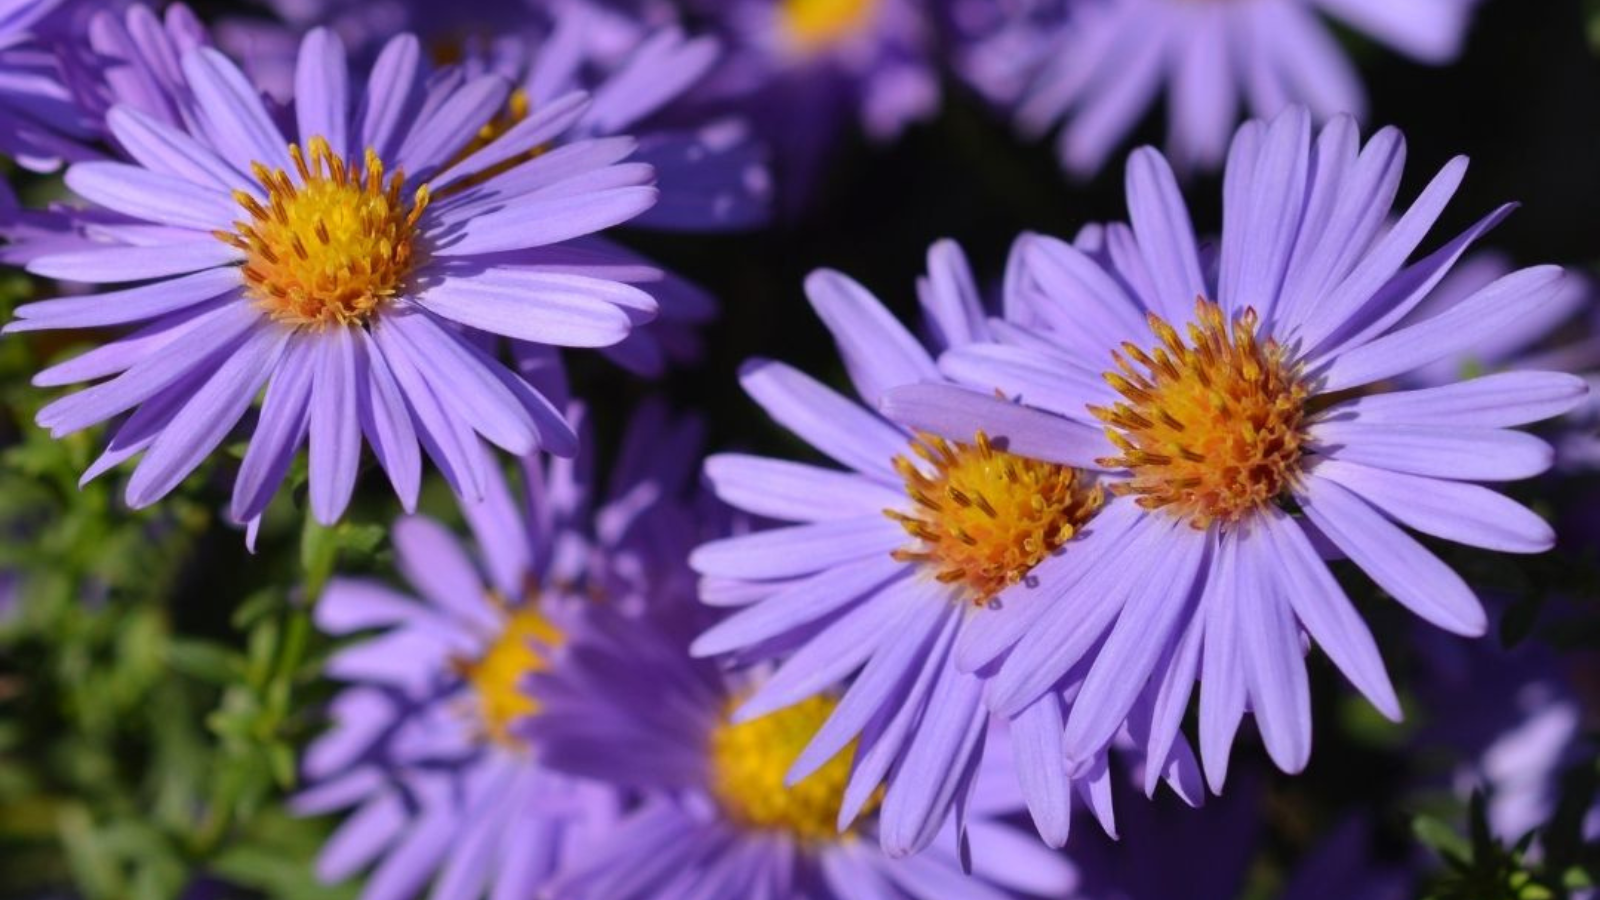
x: 1103, y: 67
x: 885, y: 564
x: 1241, y: 415
x: 627, y: 705
x: 424, y: 749
x: 807, y: 70
x: 358, y: 269
x: 40, y: 124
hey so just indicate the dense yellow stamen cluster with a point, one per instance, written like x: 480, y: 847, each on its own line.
x: 750, y: 761
x: 496, y: 676
x: 815, y: 24
x: 332, y: 247
x: 984, y: 518
x: 1212, y: 428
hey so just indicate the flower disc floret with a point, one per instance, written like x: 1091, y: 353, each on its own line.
x: 815, y: 24
x: 496, y: 676
x: 1213, y: 428
x: 750, y: 762
x: 332, y: 247
x: 983, y: 518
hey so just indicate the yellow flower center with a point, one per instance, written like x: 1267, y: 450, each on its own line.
x: 985, y: 517
x: 749, y: 763
x: 816, y: 24
x: 496, y: 677
x: 1211, y: 429
x: 332, y: 248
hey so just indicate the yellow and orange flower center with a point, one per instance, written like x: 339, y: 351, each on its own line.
x: 496, y: 676
x: 332, y: 247
x: 812, y: 25
x: 984, y: 518
x: 1212, y: 428
x: 751, y: 760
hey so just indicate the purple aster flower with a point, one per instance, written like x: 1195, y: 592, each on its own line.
x: 423, y: 748
x: 359, y: 271
x: 711, y: 173
x: 1104, y: 66
x: 887, y: 563
x: 626, y: 705
x: 1241, y: 431
x: 40, y: 125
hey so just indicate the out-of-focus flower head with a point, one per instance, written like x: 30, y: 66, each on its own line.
x: 717, y: 816
x: 806, y: 71
x: 1510, y: 722
x: 424, y: 752
x: 1101, y: 65
x: 41, y: 125
x: 1238, y: 410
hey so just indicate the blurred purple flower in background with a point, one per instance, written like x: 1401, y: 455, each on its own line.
x: 1102, y: 64
x: 424, y: 745
x: 40, y: 124
x: 626, y: 705
x: 807, y: 71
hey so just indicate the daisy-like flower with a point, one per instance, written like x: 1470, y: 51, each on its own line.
x: 1105, y: 65
x: 640, y: 72
x: 887, y: 563
x: 40, y: 125
x: 357, y: 271
x: 424, y: 749
x: 626, y: 705
x: 1241, y: 416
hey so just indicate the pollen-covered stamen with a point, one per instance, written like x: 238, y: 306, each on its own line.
x: 496, y: 677
x: 1212, y: 427
x: 332, y: 246
x: 750, y: 762
x: 984, y: 517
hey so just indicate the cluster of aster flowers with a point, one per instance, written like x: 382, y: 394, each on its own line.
x: 992, y: 625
